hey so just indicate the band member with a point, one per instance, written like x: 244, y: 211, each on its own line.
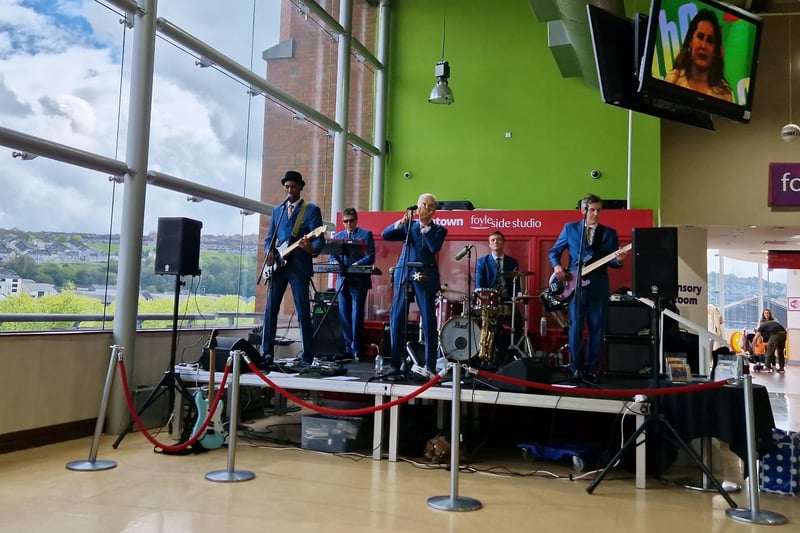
x: 589, y: 305
x: 292, y: 222
x: 424, y: 240
x: 353, y: 288
x: 489, y: 267
x: 488, y: 275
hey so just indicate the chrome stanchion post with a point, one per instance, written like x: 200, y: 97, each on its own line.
x: 92, y: 464
x: 454, y: 502
x: 230, y: 474
x: 753, y: 515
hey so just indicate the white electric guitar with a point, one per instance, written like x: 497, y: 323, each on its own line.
x: 279, y: 259
x: 562, y: 290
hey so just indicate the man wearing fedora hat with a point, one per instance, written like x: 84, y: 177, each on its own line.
x: 292, y: 222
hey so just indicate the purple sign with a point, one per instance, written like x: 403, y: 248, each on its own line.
x: 784, y: 184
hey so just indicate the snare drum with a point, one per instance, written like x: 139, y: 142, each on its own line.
x: 488, y: 299
x: 455, y: 338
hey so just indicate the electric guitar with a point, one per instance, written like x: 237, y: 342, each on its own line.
x: 279, y: 255
x: 213, y: 437
x: 562, y: 290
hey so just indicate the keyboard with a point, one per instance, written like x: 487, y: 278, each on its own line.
x: 333, y: 268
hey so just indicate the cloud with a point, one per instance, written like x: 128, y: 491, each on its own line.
x: 60, y: 70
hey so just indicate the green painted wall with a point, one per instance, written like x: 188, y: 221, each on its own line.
x: 504, y: 79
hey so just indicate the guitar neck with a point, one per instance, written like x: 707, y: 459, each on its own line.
x: 600, y: 262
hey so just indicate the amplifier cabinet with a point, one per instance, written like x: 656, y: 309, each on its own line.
x: 630, y: 356
x: 629, y: 318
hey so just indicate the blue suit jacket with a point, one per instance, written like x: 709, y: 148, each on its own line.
x: 422, y: 249
x: 486, y: 272
x: 299, y: 260
x: 605, y: 242
x: 366, y: 238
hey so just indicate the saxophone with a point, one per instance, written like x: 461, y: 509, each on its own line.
x: 486, y: 344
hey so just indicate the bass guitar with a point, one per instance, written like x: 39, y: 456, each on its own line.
x: 279, y: 255
x: 562, y: 290
x: 213, y: 437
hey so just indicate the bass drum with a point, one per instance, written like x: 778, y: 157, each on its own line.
x: 455, y: 338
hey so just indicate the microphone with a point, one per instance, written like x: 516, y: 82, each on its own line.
x: 460, y: 255
x: 411, y: 208
x: 288, y: 197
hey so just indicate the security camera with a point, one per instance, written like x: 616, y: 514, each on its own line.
x: 406, y: 175
x: 595, y: 174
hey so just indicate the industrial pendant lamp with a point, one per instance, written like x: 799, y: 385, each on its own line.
x: 791, y: 131
x: 441, y: 93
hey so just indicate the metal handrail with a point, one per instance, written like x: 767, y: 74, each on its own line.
x: 78, y: 318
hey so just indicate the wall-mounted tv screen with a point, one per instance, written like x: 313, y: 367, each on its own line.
x: 702, y: 54
x: 618, y: 44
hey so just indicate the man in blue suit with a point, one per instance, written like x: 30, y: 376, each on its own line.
x: 353, y: 288
x: 589, y: 304
x: 294, y: 223
x: 488, y: 270
x: 425, y: 238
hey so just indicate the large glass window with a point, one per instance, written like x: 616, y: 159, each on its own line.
x: 208, y: 127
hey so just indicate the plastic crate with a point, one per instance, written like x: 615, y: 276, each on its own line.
x: 330, y: 434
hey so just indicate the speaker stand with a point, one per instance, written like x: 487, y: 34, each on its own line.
x: 170, y: 382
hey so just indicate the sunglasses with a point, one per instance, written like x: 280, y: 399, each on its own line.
x: 348, y: 220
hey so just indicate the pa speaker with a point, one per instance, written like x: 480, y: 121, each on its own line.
x: 528, y: 369
x: 328, y: 339
x: 225, y: 345
x: 655, y: 263
x: 178, y: 246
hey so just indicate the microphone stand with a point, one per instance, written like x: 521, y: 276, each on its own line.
x: 404, y: 290
x: 580, y: 314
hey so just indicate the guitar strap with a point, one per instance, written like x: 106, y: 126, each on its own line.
x: 298, y: 222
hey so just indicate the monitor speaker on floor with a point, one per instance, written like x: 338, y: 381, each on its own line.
x: 225, y: 345
x: 528, y: 369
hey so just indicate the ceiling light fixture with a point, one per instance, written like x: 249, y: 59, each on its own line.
x: 441, y: 92
x: 791, y: 131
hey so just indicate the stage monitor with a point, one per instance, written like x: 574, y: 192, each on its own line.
x: 617, y: 49
x: 701, y: 54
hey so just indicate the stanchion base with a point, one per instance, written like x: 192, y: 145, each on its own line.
x: 223, y: 476
x: 758, y: 517
x: 446, y: 503
x: 91, y: 466
x: 697, y: 484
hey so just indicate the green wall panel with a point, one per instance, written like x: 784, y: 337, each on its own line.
x: 504, y: 79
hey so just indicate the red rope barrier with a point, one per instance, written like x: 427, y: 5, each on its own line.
x: 342, y: 412
x: 582, y: 391
x: 138, y: 421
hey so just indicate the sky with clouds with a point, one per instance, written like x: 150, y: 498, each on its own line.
x: 64, y: 77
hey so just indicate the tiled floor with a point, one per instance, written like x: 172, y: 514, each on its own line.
x: 298, y: 490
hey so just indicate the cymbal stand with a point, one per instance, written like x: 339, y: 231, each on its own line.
x: 525, y: 338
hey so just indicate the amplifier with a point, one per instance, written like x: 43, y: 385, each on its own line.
x: 629, y: 318
x: 630, y: 357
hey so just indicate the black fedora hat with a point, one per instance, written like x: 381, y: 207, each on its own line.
x: 293, y: 175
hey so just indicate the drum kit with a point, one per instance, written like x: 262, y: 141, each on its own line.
x: 463, y: 337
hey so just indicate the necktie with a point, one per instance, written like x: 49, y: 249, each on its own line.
x: 502, y: 281
x: 589, y: 234
x: 291, y: 210
x: 349, y: 235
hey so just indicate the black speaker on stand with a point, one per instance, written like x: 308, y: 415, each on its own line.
x: 177, y: 254
x: 178, y: 246
x: 655, y: 263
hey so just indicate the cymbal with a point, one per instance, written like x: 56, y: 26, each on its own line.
x: 517, y: 274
